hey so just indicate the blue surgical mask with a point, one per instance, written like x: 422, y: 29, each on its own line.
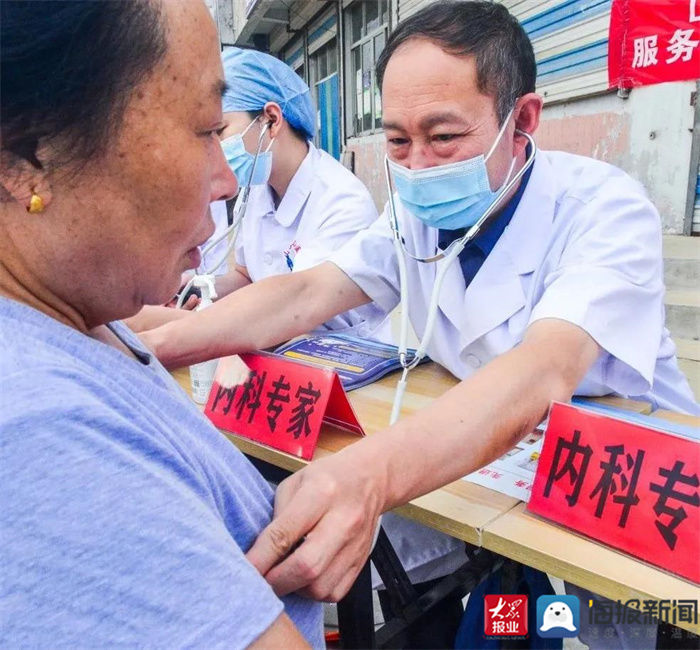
x: 449, y: 196
x: 241, y: 162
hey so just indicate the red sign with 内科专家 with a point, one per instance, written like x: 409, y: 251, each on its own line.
x: 278, y: 402
x: 628, y: 485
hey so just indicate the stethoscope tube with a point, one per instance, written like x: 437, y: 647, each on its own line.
x: 448, y: 256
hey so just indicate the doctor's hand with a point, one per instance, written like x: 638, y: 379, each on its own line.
x: 192, y: 299
x: 191, y: 303
x: 323, y: 525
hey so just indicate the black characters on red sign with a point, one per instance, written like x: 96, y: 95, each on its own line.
x: 299, y: 422
x: 245, y: 400
x: 276, y: 397
x: 619, y: 481
x: 614, y: 480
x: 576, y: 469
x: 668, y: 493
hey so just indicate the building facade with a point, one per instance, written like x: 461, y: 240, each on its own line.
x: 651, y: 132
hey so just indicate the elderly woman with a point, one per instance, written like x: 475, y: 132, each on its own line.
x: 125, y: 514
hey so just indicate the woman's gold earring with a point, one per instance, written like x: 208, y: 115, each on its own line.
x: 36, y: 204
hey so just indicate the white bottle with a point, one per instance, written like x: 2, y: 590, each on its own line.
x: 202, y: 374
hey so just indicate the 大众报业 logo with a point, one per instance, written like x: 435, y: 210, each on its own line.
x: 505, y: 615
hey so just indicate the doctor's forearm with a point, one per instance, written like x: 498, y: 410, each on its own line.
x: 257, y: 316
x: 152, y: 316
x: 230, y: 282
x: 254, y: 317
x: 482, y: 417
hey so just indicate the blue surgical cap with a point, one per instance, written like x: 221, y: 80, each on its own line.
x: 255, y: 78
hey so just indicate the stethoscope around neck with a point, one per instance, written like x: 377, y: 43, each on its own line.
x: 448, y: 256
x: 234, y: 227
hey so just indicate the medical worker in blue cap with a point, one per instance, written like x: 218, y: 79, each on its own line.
x: 302, y: 203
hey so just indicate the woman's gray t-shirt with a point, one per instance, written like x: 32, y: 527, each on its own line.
x: 125, y: 514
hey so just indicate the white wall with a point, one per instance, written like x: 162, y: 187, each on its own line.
x: 649, y: 135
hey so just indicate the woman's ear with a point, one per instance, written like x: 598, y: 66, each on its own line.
x: 22, y: 181
x: 272, y: 113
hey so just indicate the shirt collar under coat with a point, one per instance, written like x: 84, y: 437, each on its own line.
x: 297, y: 193
x: 496, y: 292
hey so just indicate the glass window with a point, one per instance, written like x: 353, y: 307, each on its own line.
x: 379, y: 41
x: 322, y: 64
x: 385, y: 12
x: 313, y: 74
x: 357, y: 81
x: 332, y: 57
x: 356, y: 21
x: 367, y: 30
x: 367, y: 66
x: 371, y: 16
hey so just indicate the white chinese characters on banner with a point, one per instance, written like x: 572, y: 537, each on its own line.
x: 645, y: 51
x: 653, y: 42
x: 681, y: 47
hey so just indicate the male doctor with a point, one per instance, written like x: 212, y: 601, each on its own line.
x: 561, y: 294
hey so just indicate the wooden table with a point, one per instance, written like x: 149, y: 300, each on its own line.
x: 460, y: 509
x: 488, y: 518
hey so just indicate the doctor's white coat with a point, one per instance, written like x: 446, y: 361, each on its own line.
x: 324, y: 206
x: 584, y: 246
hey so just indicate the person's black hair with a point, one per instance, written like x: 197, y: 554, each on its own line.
x: 67, y: 70
x: 505, y: 61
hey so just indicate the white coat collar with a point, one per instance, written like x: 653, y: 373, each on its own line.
x: 261, y: 202
x: 496, y: 292
x: 528, y: 235
x: 299, y: 189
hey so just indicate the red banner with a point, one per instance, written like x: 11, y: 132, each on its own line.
x: 627, y: 485
x: 652, y: 41
x: 278, y: 402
